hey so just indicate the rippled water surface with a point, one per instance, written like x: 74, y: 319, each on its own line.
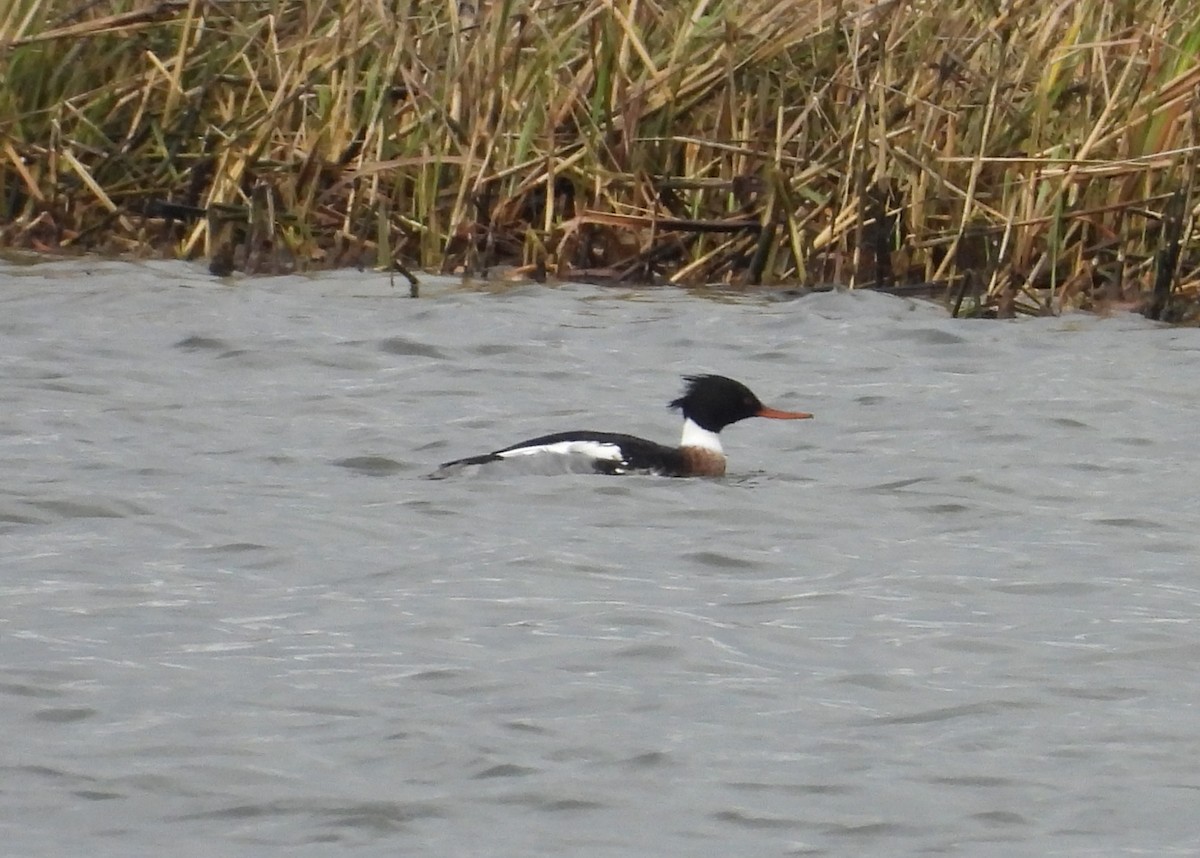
x: 955, y: 614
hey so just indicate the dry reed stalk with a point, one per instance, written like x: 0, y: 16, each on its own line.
x: 1032, y: 149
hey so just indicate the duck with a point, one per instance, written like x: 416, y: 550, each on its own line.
x: 709, y: 403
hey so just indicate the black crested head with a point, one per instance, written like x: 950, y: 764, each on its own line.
x: 714, y: 401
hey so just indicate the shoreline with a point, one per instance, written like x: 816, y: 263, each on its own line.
x: 1027, y: 162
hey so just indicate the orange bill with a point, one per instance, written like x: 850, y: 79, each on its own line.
x: 776, y: 414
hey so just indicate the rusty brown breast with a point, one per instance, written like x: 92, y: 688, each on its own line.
x: 701, y: 462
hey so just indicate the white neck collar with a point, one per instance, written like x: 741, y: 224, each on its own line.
x: 695, y: 435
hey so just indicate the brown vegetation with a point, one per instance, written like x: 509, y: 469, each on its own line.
x: 1010, y: 155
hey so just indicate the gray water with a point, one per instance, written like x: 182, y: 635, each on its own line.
x: 955, y: 614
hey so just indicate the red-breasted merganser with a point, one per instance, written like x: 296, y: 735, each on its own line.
x: 709, y: 404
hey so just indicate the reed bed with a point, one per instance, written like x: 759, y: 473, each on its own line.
x: 1010, y: 156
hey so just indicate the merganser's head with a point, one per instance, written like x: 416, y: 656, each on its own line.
x: 712, y: 402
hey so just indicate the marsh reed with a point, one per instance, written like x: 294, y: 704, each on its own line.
x: 1009, y: 156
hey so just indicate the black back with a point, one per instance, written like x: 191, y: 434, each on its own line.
x: 638, y: 454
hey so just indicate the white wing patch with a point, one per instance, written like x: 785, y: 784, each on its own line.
x: 588, y: 449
